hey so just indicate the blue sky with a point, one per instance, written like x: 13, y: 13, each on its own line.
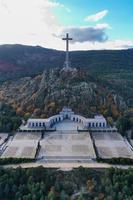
x: 119, y: 17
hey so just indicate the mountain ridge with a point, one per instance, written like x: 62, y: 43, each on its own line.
x: 18, y: 61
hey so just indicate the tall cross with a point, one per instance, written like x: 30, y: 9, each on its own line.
x: 67, y: 39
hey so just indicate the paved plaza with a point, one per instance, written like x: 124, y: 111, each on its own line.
x: 111, y: 145
x: 22, y: 146
x: 69, y: 145
x: 68, y: 125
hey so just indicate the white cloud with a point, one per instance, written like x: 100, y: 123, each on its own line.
x: 85, y: 33
x: 56, y: 4
x: 103, y: 26
x: 32, y: 22
x: 96, y: 17
x: 114, y: 44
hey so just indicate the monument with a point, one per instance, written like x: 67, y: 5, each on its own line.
x: 37, y: 125
x: 67, y: 64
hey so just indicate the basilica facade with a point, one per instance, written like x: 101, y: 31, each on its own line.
x: 66, y: 114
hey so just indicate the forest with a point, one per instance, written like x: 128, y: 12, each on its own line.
x: 9, y: 120
x: 77, y: 184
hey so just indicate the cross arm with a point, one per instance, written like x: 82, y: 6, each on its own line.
x: 67, y: 39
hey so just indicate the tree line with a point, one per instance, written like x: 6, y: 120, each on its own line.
x: 78, y: 184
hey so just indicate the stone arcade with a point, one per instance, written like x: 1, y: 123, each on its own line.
x: 98, y: 122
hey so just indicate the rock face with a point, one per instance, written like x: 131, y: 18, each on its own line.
x: 46, y: 94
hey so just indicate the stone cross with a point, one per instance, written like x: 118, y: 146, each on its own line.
x: 67, y: 39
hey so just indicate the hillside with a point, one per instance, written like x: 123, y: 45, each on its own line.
x: 33, y: 84
x: 46, y: 94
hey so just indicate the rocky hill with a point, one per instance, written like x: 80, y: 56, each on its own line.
x: 33, y: 84
x: 45, y: 94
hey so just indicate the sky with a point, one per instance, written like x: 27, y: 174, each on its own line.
x: 93, y: 24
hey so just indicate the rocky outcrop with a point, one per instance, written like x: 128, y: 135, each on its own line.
x: 47, y: 93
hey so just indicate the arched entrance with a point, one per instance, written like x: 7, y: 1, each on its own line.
x: 66, y: 116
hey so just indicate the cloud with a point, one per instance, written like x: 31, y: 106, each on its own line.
x: 56, y: 4
x: 85, y: 34
x: 33, y: 22
x: 125, y: 46
x: 121, y: 44
x: 30, y: 22
x: 96, y: 17
x: 113, y: 45
x: 103, y: 26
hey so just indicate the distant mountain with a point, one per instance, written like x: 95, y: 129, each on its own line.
x: 20, y: 61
